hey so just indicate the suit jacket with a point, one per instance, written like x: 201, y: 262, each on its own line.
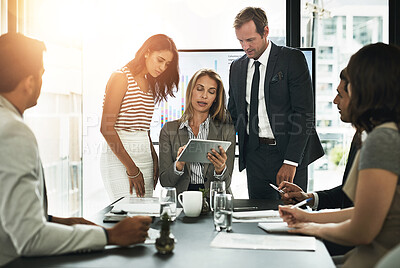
x: 171, y: 138
x: 335, y: 197
x: 290, y: 105
x: 24, y: 229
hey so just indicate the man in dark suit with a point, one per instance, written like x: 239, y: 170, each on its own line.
x: 272, y: 105
x: 335, y: 197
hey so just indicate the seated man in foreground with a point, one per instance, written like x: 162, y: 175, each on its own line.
x: 25, y: 227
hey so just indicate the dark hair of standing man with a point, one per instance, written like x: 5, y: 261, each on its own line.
x: 255, y: 14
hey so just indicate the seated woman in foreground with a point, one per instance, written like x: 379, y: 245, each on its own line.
x: 205, y: 117
x: 373, y: 224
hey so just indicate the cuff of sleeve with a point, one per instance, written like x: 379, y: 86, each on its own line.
x: 106, y: 233
x: 219, y: 176
x: 316, y: 201
x: 177, y: 172
x: 291, y: 163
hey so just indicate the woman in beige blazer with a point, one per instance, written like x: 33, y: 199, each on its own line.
x: 373, y: 224
x: 205, y: 117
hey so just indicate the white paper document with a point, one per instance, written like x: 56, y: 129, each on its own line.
x: 257, y: 216
x: 271, y: 242
x: 133, y: 206
x: 138, y: 206
x: 274, y: 227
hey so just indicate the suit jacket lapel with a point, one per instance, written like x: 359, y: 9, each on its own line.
x: 273, y: 56
x: 212, y: 135
x: 183, y: 137
x: 242, y: 87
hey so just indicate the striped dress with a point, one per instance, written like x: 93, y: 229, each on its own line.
x: 137, y: 107
x: 132, y: 126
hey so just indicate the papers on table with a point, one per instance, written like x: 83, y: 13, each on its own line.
x: 257, y: 216
x: 271, y: 242
x: 274, y: 227
x: 138, y: 206
x: 133, y: 206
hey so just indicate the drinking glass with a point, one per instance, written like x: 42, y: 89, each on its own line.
x: 168, y: 201
x: 216, y: 187
x: 223, y: 208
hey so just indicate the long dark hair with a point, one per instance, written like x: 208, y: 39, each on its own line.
x: 165, y: 83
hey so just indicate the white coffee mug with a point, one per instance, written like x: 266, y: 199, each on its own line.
x: 192, y: 202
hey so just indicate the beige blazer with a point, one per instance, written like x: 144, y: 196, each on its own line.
x: 171, y: 138
x: 363, y: 256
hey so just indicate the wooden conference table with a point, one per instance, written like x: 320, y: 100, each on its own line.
x: 192, y: 249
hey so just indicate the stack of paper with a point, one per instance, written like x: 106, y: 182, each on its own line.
x: 271, y: 242
x: 257, y: 216
x: 275, y: 227
x: 138, y: 206
x: 132, y: 206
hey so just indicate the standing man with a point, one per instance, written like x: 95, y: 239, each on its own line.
x: 271, y: 103
x: 25, y: 227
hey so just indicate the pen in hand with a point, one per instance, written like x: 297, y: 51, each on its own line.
x: 277, y: 189
x: 302, y: 203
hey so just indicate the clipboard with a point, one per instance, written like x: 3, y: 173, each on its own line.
x: 196, y: 150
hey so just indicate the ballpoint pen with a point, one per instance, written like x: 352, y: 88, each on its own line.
x: 302, y: 203
x: 276, y: 188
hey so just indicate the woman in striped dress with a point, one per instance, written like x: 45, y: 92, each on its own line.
x: 129, y: 163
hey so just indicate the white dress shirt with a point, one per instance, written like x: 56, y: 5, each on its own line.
x: 265, y: 130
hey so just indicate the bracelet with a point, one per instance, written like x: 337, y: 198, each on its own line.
x: 133, y: 176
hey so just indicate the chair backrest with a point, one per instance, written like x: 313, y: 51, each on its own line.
x: 391, y: 259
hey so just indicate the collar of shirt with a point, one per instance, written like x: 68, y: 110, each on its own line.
x: 9, y: 106
x: 203, y: 126
x: 263, y: 59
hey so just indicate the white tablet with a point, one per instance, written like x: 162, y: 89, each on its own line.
x: 196, y: 150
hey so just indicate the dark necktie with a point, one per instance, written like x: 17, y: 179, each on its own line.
x: 253, y: 118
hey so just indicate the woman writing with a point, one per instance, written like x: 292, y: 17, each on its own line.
x: 205, y: 117
x: 129, y: 160
x: 373, y: 224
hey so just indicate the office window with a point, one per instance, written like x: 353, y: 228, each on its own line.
x: 337, y: 29
x: 325, y: 52
x: 324, y: 89
x: 57, y: 118
x: 366, y: 29
x: 3, y: 16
